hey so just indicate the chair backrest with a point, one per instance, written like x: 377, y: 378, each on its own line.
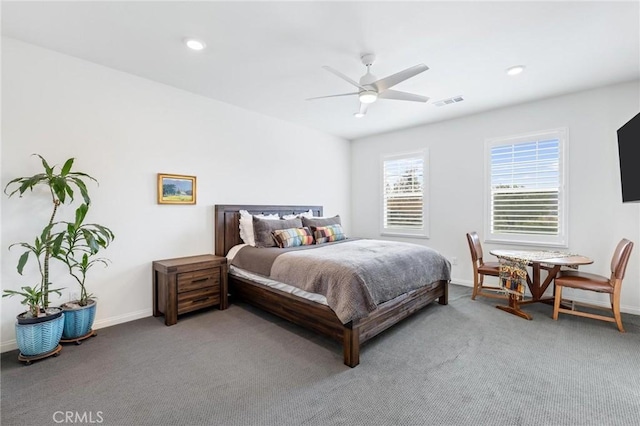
x: 475, y: 247
x: 620, y: 259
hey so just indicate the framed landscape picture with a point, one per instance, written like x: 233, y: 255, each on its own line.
x: 176, y: 189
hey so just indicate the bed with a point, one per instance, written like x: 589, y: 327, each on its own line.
x: 309, y: 314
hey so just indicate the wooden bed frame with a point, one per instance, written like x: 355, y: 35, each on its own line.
x: 317, y: 317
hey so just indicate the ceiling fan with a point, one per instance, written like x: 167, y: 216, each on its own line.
x: 371, y: 88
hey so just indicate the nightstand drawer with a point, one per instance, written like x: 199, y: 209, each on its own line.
x: 197, y: 299
x: 198, y: 279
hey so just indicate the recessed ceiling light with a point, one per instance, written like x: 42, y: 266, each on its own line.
x: 358, y: 114
x: 515, y: 70
x: 194, y: 43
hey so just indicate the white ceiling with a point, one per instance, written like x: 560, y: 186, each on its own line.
x: 267, y: 56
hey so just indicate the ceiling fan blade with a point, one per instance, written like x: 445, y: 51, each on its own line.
x: 342, y: 76
x: 392, y: 80
x: 402, y: 96
x: 332, y: 96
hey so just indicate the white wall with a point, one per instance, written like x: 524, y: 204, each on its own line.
x: 597, y: 217
x: 123, y: 130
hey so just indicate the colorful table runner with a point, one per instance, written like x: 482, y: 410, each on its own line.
x: 513, y: 269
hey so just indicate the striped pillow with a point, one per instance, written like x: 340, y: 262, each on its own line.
x: 327, y: 234
x: 293, y: 237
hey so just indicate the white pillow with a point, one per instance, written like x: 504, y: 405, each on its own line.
x: 246, y: 225
x: 293, y: 216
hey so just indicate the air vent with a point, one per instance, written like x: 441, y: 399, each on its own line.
x: 448, y: 101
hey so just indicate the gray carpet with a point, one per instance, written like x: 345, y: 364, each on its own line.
x: 462, y: 364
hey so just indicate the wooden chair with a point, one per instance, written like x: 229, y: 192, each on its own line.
x: 597, y: 283
x: 480, y: 269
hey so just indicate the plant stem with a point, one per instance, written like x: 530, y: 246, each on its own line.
x: 47, y: 255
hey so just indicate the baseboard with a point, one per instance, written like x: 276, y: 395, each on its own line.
x: 462, y: 282
x: 108, y: 322
x: 633, y: 310
x: 11, y: 345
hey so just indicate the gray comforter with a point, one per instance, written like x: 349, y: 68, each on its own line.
x: 354, y: 275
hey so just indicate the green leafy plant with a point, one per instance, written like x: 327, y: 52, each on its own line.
x: 32, y: 298
x: 62, y: 184
x: 80, y: 243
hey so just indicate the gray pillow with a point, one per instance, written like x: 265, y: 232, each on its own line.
x: 315, y: 222
x: 262, y: 230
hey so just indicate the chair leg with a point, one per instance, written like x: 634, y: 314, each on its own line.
x: 556, y: 301
x: 615, y: 305
x: 476, y: 283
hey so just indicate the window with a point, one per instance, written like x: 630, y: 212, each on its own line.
x: 404, y: 194
x: 526, y: 197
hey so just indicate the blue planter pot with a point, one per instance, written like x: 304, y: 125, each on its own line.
x: 39, y: 338
x: 78, y: 321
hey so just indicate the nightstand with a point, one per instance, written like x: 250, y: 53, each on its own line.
x: 187, y: 284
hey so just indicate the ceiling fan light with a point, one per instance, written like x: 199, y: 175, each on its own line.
x: 194, y: 43
x: 368, y: 96
x: 515, y: 70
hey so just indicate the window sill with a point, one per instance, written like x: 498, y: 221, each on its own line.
x: 538, y: 244
x: 400, y: 234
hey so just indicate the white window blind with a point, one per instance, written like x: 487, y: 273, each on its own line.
x: 526, y: 195
x: 404, y: 195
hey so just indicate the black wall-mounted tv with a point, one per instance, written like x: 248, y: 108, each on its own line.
x: 629, y: 152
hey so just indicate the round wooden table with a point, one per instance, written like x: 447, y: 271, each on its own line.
x: 538, y: 260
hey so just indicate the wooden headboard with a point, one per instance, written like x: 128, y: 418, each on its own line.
x: 227, y: 221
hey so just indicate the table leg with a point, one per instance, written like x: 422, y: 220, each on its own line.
x: 551, y: 274
x: 513, y: 308
x: 535, y: 284
x: 514, y: 304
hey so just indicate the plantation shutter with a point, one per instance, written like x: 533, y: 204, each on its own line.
x: 403, y: 193
x: 526, y: 188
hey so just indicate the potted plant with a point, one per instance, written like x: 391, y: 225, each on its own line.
x: 38, y: 330
x: 80, y: 243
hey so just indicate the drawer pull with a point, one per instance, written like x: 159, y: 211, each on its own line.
x: 200, y: 280
x: 202, y: 299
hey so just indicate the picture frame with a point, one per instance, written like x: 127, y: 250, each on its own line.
x: 176, y: 189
